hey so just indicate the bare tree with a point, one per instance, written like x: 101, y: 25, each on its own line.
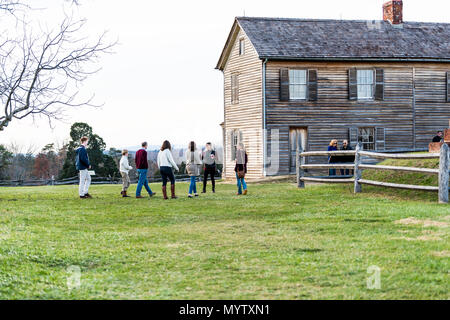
x: 40, y: 75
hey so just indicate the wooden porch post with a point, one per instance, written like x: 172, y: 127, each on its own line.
x: 358, y: 172
x: 443, y: 174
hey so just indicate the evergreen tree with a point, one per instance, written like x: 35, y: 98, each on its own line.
x: 103, y: 164
x: 5, y: 160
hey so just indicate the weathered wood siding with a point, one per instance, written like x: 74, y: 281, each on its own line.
x: 333, y: 113
x: 246, y: 115
x: 432, y: 108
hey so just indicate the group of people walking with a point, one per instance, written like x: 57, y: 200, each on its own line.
x: 195, y: 159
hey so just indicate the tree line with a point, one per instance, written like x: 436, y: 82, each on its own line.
x: 58, y: 162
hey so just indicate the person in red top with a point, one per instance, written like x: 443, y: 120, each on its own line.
x: 142, y: 169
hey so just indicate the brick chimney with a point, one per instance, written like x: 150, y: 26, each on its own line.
x: 393, y: 11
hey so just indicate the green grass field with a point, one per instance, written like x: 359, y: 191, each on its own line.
x: 278, y: 242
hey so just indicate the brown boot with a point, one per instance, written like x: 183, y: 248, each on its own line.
x: 172, y: 190
x: 164, y: 191
x: 124, y: 194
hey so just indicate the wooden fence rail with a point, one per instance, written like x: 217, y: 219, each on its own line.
x: 358, y: 167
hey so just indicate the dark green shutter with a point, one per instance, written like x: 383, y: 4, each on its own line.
x: 232, y: 149
x: 448, y: 86
x: 379, y: 84
x: 353, y: 137
x: 380, y: 138
x: 352, y: 84
x: 284, y: 84
x: 312, y: 85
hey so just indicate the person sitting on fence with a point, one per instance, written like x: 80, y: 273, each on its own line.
x: 193, y: 163
x: 346, y: 159
x: 438, y: 137
x: 142, y: 168
x: 241, y: 168
x: 209, y: 159
x: 333, y: 146
x: 83, y: 166
x: 165, y: 165
x: 124, y: 169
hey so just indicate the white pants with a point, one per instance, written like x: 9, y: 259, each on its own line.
x: 85, y: 182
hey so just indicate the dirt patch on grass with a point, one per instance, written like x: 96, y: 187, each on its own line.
x: 441, y: 254
x: 427, y: 235
x: 425, y: 223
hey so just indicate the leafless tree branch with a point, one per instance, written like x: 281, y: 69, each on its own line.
x: 40, y: 75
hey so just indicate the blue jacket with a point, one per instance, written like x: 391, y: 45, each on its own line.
x: 82, y: 159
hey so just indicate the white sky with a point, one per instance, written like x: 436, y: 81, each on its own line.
x: 161, y: 82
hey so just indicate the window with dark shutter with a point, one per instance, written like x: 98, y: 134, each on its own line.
x: 284, y: 84
x: 312, y: 85
x: 352, y: 84
x: 448, y: 86
x: 366, y: 136
x: 241, y: 47
x: 379, y: 84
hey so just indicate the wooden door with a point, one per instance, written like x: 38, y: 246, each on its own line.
x: 297, y: 138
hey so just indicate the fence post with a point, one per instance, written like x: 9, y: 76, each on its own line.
x: 443, y: 174
x: 298, y: 164
x: 358, y: 172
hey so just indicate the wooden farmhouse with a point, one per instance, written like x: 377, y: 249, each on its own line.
x: 290, y: 82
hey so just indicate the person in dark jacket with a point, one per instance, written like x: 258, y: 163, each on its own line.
x: 346, y: 159
x: 209, y: 160
x: 241, y: 165
x: 142, y: 169
x: 332, y: 147
x: 83, y: 165
x: 438, y: 137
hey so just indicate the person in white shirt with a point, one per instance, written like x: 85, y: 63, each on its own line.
x: 124, y: 169
x: 193, y: 163
x: 166, y: 164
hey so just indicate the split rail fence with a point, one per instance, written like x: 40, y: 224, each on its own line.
x: 358, y: 166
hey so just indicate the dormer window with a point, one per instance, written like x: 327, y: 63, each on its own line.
x: 241, y: 47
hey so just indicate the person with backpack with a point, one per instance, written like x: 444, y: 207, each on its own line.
x: 166, y: 164
x: 193, y: 163
x: 241, y: 168
x: 209, y: 159
x: 83, y: 165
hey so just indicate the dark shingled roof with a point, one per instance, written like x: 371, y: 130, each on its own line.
x: 276, y: 38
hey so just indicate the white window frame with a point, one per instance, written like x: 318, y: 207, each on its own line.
x: 363, y: 80
x: 364, y: 138
x: 241, y: 46
x: 297, y: 83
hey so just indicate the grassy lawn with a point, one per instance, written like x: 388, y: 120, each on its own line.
x: 278, y: 242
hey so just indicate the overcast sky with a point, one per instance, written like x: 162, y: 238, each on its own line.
x: 161, y: 82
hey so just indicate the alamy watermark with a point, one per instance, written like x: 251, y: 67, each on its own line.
x: 374, y: 278
x: 73, y: 277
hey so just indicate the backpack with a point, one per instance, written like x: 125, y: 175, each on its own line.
x: 192, y: 168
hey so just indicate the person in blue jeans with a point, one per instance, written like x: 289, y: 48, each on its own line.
x: 142, y: 169
x: 241, y: 168
x: 193, y: 163
x: 332, y: 147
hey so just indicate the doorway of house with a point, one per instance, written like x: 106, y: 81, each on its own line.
x: 297, y: 138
